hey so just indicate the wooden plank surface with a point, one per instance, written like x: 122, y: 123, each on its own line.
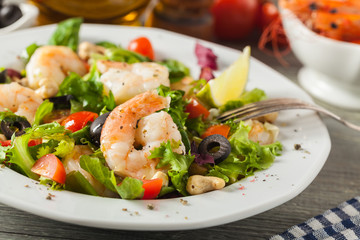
x: 338, y: 181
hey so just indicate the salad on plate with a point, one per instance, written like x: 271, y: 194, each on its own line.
x: 113, y: 121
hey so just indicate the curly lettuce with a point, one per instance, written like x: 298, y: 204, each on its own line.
x: 22, y: 157
x: 246, y: 156
x: 88, y: 92
x: 178, y: 163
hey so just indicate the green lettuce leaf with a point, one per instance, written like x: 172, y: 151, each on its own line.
x: 176, y: 111
x: 28, y: 52
x: 178, y: 164
x: 76, y: 182
x: 129, y: 188
x: 96, y: 167
x: 82, y: 136
x: 51, y: 183
x: 177, y: 70
x: 246, y: 156
x: 44, y: 148
x: 196, y: 126
x: 88, y: 92
x: 247, y: 97
x: 107, y: 44
x: 20, y: 155
x: 45, y: 108
x: 119, y: 54
x: 67, y: 33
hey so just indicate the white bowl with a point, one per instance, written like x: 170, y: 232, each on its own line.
x: 331, y: 69
x: 30, y: 12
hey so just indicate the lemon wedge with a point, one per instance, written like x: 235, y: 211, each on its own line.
x: 229, y: 85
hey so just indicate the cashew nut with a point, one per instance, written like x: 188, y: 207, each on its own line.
x: 198, y: 184
x: 2, y: 137
x: 263, y: 133
x: 163, y: 176
x: 86, y: 49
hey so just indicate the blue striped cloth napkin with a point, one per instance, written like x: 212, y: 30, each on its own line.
x: 342, y: 222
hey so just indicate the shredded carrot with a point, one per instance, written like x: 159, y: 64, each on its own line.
x: 274, y: 35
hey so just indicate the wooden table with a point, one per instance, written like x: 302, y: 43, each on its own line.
x: 338, y: 181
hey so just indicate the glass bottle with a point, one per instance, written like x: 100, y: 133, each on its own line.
x: 191, y: 17
x: 124, y: 12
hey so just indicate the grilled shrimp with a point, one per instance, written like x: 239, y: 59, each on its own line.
x: 263, y: 133
x: 49, y: 66
x: 21, y: 100
x: 134, y: 125
x: 128, y: 80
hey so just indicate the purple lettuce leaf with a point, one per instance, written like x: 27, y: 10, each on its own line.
x: 201, y: 158
x: 206, y: 73
x: 205, y: 56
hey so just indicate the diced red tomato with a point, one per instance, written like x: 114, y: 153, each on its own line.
x: 51, y: 167
x: 31, y: 143
x: 143, y: 46
x: 87, y: 66
x: 221, y: 129
x: 196, y: 109
x: 34, y: 142
x: 152, y: 188
x: 5, y: 143
x: 78, y: 120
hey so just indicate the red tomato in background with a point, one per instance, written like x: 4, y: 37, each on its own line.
x: 78, y: 120
x: 143, y: 46
x: 234, y: 19
x: 51, y: 167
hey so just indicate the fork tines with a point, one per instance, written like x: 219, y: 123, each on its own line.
x: 260, y: 108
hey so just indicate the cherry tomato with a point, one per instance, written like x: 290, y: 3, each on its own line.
x: 78, y: 120
x: 143, y: 46
x: 196, y: 109
x: 268, y: 13
x: 51, y: 167
x: 220, y: 129
x: 34, y: 142
x: 31, y: 143
x: 152, y: 188
x: 234, y: 19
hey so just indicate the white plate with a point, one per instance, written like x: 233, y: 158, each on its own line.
x: 290, y: 174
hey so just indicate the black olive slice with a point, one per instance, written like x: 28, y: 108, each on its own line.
x: 96, y: 127
x: 11, y: 125
x: 217, y: 146
x: 3, y: 76
x: 62, y: 102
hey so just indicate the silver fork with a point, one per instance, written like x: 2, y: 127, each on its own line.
x: 261, y: 108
